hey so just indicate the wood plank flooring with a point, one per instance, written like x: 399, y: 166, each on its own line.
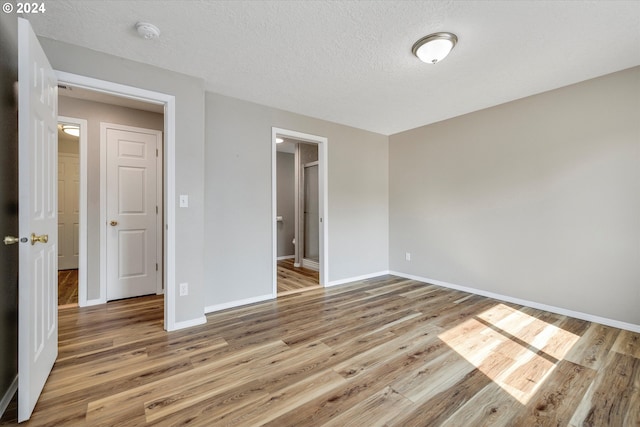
x: 385, y: 351
x: 290, y: 278
x: 293, y: 279
x: 67, y: 287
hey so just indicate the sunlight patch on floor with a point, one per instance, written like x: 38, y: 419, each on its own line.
x: 515, y: 350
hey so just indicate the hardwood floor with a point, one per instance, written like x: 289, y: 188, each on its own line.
x: 385, y: 351
x: 67, y: 287
x: 293, y: 279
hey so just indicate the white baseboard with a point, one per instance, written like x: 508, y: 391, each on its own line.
x: 311, y: 265
x: 6, y: 399
x: 280, y: 258
x: 237, y: 303
x: 91, y: 302
x: 553, y: 309
x: 357, y: 278
x: 189, y: 323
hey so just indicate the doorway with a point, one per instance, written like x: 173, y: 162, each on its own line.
x: 297, y: 216
x: 135, y: 190
x: 166, y: 209
x: 71, y: 216
x: 300, y: 217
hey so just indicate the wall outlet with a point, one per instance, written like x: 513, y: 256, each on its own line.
x: 184, y: 289
x: 407, y: 256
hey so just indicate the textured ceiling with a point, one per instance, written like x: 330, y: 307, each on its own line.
x: 350, y: 62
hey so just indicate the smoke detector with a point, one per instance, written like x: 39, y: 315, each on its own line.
x: 147, y: 31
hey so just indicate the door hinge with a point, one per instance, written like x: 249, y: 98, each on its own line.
x: 156, y: 266
x: 156, y: 152
x: 156, y: 210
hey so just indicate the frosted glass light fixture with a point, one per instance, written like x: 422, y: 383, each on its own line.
x: 279, y: 140
x: 434, y: 47
x: 71, y: 130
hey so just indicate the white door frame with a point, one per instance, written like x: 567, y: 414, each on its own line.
x: 169, y: 174
x: 323, y: 192
x: 82, y: 258
x: 103, y: 204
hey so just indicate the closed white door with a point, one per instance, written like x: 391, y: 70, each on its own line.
x: 68, y: 211
x: 38, y: 259
x: 132, y: 210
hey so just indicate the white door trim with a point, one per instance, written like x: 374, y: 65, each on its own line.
x: 323, y: 191
x: 103, y: 203
x: 169, y: 173
x: 82, y: 259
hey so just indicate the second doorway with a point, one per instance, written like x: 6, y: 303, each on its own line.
x: 297, y: 215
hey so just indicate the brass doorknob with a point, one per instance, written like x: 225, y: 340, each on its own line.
x: 10, y: 240
x: 113, y: 223
x: 43, y: 238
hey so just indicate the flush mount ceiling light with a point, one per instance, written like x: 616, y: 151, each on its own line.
x: 279, y: 140
x: 434, y: 47
x: 71, y: 130
x: 147, y: 31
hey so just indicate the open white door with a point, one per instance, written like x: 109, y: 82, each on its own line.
x: 37, y: 162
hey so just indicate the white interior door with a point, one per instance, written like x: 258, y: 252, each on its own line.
x: 68, y: 211
x: 132, y: 211
x: 38, y: 280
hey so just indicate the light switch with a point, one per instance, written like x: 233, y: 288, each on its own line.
x: 184, y: 201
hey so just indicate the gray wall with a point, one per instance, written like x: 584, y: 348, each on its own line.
x: 95, y: 113
x: 238, y: 224
x: 68, y: 143
x: 8, y: 202
x: 536, y: 199
x: 285, y: 176
x: 308, y: 153
x: 189, y: 164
